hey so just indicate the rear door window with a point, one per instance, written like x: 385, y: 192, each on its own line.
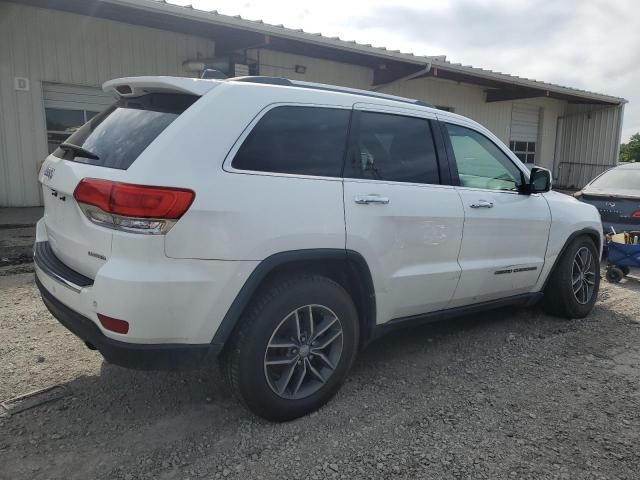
x: 296, y: 140
x: 122, y: 132
x: 394, y: 148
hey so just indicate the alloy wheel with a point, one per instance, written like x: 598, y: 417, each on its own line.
x: 583, y: 275
x: 303, y: 352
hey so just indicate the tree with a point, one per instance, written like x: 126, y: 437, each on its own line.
x: 630, y: 152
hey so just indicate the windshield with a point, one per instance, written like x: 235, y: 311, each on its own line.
x: 117, y: 136
x: 618, y: 179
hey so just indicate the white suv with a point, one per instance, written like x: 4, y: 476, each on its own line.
x: 282, y: 226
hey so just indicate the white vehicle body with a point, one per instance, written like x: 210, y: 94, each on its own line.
x: 428, y: 247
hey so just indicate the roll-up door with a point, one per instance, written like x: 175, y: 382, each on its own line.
x: 525, y: 121
x: 68, y: 107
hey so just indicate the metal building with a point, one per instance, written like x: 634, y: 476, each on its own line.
x: 55, y: 54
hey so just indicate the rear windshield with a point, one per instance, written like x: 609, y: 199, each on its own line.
x: 120, y: 134
x: 618, y: 179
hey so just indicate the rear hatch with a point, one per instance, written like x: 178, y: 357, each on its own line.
x: 103, y: 148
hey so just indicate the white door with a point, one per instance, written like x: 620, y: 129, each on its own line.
x: 525, y: 120
x: 406, y: 225
x: 505, y: 232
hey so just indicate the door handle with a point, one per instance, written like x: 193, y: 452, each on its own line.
x: 371, y: 199
x: 482, y: 204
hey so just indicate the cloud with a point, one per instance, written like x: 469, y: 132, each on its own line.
x: 467, y: 22
x: 588, y: 45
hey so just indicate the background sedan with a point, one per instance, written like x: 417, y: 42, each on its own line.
x: 616, y: 194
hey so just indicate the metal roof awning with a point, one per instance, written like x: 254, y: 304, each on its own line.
x: 233, y: 33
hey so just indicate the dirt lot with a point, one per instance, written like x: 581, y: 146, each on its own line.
x: 509, y: 394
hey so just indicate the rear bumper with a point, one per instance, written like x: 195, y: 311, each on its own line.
x: 166, y: 301
x: 130, y: 355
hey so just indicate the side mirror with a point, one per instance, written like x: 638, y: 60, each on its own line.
x: 539, y: 181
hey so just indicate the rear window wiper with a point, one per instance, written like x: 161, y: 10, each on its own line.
x: 79, y: 151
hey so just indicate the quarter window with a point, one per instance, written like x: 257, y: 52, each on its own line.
x: 297, y: 140
x: 481, y: 164
x: 393, y: 148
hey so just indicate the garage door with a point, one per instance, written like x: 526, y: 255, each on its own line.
x: 68, y: 107
x: 525, y: 120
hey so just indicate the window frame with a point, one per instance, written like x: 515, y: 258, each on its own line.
x: 453, y: 165
x: 227, y: 164
x: 428, y: 117
x: 526, y: 152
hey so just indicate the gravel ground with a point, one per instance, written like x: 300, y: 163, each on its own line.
x: 511, y: 394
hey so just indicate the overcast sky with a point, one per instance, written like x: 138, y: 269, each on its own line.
x: 591, y: 44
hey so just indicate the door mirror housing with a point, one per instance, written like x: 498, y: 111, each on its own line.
x: 539, y: 181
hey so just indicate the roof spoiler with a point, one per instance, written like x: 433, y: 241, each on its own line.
x: 137, y: 86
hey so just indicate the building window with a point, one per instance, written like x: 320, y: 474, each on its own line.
x: 61, y: 123
x: 525, y: 151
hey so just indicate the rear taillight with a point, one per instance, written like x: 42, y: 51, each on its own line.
x: 113, y: 324
x: 636, y: 214
x: 133, y: 208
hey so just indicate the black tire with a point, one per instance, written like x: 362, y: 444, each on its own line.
x: 625, y: 270
x: 559, y: 296
x: 615, y: 274
x: 244, y: 358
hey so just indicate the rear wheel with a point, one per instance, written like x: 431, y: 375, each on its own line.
x: 573, y: 287
x: 293, y: 348
x: 625, y: 270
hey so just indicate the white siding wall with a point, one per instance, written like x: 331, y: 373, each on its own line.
x: 51, y: 46
x: 469, y: 101
x: 588, y: 143
x: 279, y: 64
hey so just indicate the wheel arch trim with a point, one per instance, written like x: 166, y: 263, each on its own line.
x: 590, y: 232
x: 270, y: 264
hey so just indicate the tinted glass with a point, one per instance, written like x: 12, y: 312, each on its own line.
x: 618, y: 179
x: 393, y: 148
x: 481, y: 164
x: 123, y: 131
x: 296, y: 140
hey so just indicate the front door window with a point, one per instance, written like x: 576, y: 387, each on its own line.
x: 480, y: 163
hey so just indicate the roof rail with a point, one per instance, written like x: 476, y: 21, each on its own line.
x: 264, y: 80
x: 285, y: 82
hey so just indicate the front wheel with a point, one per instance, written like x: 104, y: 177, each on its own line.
x: 573, y: 287
x: 293, y: 348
